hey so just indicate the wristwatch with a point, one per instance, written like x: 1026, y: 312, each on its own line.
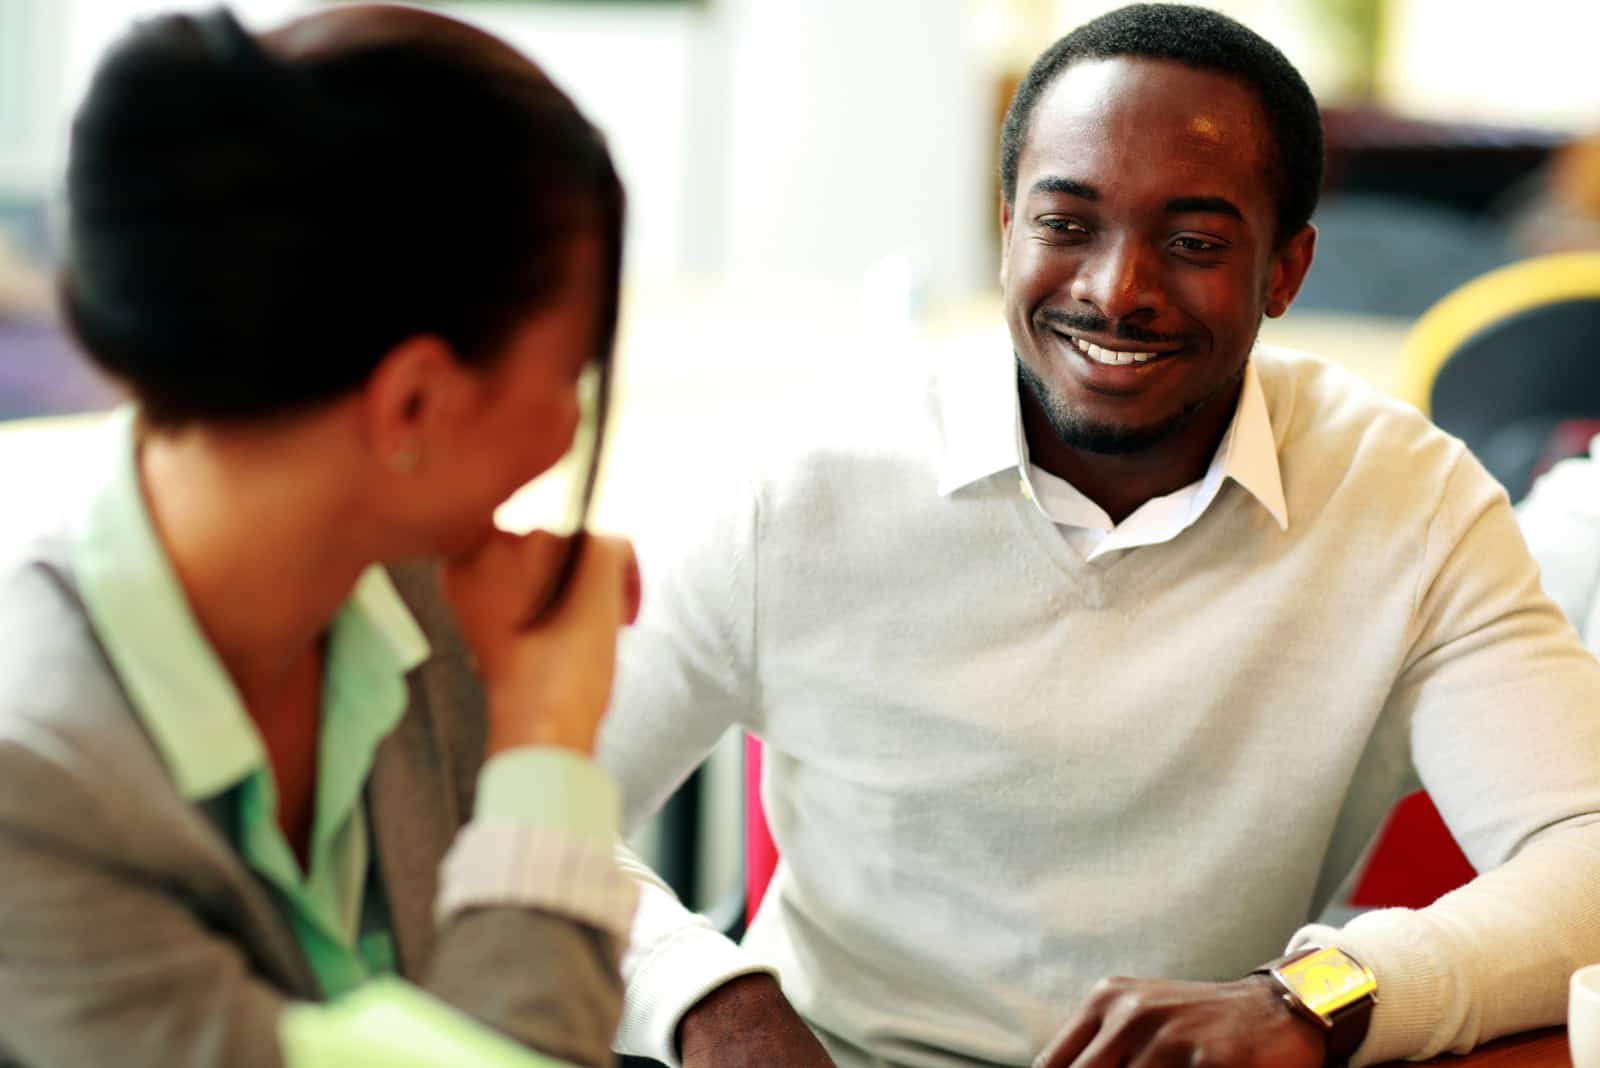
x: 1329, y: 986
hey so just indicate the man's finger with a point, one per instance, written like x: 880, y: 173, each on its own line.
x: 1070, y: 1041
x: 1107, y: 1049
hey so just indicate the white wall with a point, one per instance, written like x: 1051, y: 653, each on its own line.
x: 858, y: 132
x: 828, y: 141
x: 1489, y: 61
x: 32, y: 60
x: 632, y: 68
x: 814, y: 142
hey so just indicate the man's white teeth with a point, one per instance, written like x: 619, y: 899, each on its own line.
x: 1100, y: 355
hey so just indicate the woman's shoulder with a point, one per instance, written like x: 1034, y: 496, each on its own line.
x: 69, y: 742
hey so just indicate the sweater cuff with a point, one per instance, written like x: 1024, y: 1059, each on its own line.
x: 1413, y: 988
x: 670, y: 981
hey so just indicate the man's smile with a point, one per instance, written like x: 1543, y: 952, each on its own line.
x: 1116, y: 366
x: 1125, y: 352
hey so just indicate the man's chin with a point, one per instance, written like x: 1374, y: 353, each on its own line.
x: 1081, y: 430
x: 1112, y: 439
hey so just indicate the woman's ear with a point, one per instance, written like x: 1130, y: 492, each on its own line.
x: 412, y: 399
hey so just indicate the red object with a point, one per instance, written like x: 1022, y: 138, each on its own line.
x: 1570, y: 437
x: 760, y: 854
x: 1415, y: 862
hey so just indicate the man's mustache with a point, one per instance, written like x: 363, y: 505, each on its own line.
x: 1098, y: 324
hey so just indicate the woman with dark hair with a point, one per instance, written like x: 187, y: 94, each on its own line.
x: 264, y: 800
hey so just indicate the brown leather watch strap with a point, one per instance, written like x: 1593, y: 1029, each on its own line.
x: 1345, y: 1030
x: 1349, y: 1029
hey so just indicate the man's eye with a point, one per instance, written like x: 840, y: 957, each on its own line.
x: 1197, y: 244
x: 1062, y: 226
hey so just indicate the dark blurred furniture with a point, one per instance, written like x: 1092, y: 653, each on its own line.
x: 41, y: 373
x: 1510, y: 363
x: 1413, y: 209
x: 1464, y: 167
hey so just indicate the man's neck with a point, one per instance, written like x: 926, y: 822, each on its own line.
x: 1121, y: 483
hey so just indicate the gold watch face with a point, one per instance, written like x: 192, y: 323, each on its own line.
x: 1328, y: 980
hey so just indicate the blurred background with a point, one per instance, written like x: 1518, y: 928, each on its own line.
x: 812, y: 189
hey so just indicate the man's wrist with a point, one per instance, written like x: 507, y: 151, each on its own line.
x: 1330, y: 992
x: 731, y: 1004
x: 1284, y: 1004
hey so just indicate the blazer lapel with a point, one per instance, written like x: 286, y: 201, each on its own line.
x: 425, y: 773
x: 253, y: 902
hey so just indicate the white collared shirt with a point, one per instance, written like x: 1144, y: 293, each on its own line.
x: 1248, y: 454
x: 983, y: 437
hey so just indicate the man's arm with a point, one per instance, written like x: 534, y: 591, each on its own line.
x: 688, y: 670
x: 1504, y: 712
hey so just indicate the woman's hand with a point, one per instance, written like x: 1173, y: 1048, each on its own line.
x: 548, y: 683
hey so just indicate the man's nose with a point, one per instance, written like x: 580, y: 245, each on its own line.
x: 1121, y: 280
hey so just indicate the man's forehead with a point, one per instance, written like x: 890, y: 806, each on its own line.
x: 1138, y: 100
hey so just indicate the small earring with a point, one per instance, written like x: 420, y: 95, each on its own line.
x: 406, y: 457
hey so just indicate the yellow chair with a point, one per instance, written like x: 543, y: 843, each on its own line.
x: 1510, y: 363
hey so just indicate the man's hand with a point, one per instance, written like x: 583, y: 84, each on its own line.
x: 1150, y: 1023
x: 748, y: 1024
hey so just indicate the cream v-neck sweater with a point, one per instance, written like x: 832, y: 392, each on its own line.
x: 998, y: 773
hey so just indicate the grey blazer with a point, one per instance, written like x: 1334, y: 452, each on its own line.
x: 131, y: 932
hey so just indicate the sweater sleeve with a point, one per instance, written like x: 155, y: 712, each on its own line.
x: 1503, y: 709
x: 686, y: 673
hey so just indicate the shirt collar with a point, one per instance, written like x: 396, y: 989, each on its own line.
x: 174, y: 679
x: 1252, y: 450
x: 979, y: 410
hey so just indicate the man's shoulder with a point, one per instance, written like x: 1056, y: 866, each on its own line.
x: 1320, y: 408
x: 1348, y: 451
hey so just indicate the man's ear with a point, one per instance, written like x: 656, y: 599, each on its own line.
x: 1290, y: 262
x: 408, y: 397
x: 1005, y: 237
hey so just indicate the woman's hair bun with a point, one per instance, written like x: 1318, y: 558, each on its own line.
x: 249, y: 234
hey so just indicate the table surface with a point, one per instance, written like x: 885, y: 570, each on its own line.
x: 1537, y: 1049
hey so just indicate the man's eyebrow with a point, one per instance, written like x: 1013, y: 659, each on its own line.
x: 1205, y: 206
x: 1051, y: 183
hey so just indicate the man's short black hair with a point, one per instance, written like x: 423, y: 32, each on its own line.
x: 1206, y: 40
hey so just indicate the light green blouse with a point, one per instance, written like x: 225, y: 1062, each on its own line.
x: 197, y: 719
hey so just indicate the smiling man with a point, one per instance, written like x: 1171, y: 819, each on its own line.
x: 1108, y: 655
x: 1148, y: 227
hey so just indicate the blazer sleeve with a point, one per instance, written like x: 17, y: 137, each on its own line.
x: 103, y: 963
